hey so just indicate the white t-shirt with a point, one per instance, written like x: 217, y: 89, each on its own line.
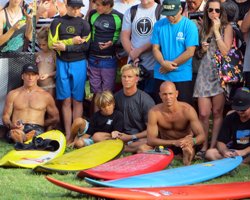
x: 141, y: 31
x: 122, y: 7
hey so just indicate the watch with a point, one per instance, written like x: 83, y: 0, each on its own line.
x: 134, y: 138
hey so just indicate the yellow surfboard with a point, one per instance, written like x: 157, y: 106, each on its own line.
x: 83, y: 158
x: 33, y: 158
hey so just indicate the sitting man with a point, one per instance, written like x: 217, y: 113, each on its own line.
x: 134, y: 104
x: 174, y: 124
x: 234, y: 135
x: 25, y: 108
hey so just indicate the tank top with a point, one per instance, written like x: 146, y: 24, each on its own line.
x: 16, y: 41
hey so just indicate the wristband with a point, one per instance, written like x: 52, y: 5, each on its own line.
x: 194, y: 141
x: 134, y: 138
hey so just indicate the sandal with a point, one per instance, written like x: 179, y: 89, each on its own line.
x: 200, y: 155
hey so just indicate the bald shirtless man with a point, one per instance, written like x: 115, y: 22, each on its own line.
x: 26, y: 106
x: 174, y: 124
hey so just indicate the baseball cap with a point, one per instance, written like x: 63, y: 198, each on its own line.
x: 75, y: 3
x: 170, y: 7
x: 241, y: 99
x: 30, y: 68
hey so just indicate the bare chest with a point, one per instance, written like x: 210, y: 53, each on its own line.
x: 175, y: 122
x: 31, y: 100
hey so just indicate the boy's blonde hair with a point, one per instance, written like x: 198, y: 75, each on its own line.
x: 127, y: 67
x: 105, y: 98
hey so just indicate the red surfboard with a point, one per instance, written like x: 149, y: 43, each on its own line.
x: 129, y: 166
x: 234, y: 190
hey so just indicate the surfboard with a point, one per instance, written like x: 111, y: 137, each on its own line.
x: 176, y: 176
x: 83, y: 158
x: 130, y: 166
x: 234, y: 190
x: 33, y: 158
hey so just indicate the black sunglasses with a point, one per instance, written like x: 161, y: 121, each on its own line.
x: 217, y: 10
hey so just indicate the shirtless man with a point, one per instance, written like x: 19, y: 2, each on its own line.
x: 174, y: 124
x: 26, y: 106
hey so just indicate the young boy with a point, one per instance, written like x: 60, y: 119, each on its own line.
x: 105, y: 25
x: 71, y: 64
x: 102, y: 126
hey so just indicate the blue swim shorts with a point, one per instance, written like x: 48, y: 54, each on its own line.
x: 70, y: 79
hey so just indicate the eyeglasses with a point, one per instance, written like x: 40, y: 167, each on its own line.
x: 217, y: 10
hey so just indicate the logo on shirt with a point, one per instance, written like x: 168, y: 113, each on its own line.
x: 70, y: 29
x: 144, y: 26
x: 109, y: 122
x: 243, y: 136
x: 180, y: 36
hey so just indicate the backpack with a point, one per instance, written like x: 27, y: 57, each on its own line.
x: 240, y: 42
x: 133, y: 11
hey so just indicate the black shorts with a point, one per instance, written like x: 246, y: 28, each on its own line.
x: 27, y: 128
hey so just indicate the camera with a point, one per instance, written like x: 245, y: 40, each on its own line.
x: 195, y: 15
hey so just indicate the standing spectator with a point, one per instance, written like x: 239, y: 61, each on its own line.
x: 231, y: 9
x: 245, y: 28
x: 47, y: 11
x: 15, y: 27
x: 134, y: 104
x: 244, y: 6
x: 216, y: 33
x: 181, y: 35
x: 137, y: 27
x: 46, y: 62
x: 105, y: 25
x: 124, y: 5
x: 195, y: 7
x: 71, y: 61
x: 234, y: 136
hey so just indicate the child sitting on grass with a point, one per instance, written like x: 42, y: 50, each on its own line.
x: 101, y: 126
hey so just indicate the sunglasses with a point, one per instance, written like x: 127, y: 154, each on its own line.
x: 217, y: 10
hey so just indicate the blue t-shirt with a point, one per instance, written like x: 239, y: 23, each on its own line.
x: 173, y: 40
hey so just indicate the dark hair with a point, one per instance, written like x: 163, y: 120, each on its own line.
x: 106, y: 2
x: 232, y: 10
x: 207, y: 23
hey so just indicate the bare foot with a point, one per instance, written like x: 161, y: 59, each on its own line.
x: 17, y: 135
x: 188, y: 155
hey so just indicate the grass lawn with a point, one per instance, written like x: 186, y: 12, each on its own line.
x: 23, y: 184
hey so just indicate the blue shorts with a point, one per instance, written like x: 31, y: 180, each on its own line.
x: 102, y: 74
x: 70, y: 79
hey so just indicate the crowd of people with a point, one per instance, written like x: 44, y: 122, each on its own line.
x: 170, y: 93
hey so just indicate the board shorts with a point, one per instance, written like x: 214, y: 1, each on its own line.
x: 27, y: 128
x: 70, y: 79
x: 102, y: 73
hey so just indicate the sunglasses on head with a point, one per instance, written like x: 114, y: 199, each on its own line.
x: 217, y: 10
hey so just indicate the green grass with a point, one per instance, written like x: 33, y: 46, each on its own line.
x: 23, y: 184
